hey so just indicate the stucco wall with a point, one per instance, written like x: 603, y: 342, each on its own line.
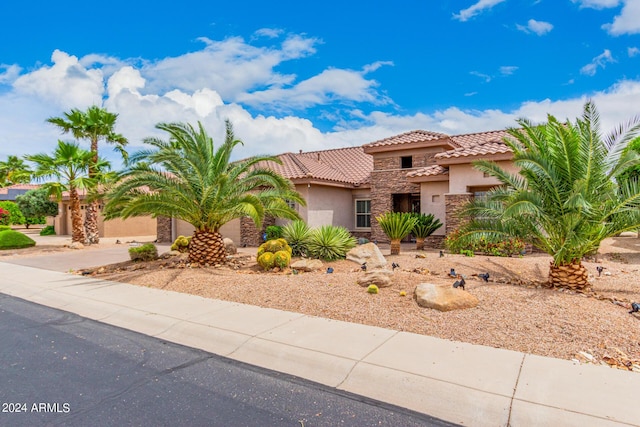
x: 138, y: 226
x: 432, y: 201
x: 329, y: 205
x: 463, y: 176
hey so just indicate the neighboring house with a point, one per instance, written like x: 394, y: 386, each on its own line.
x: 12, y: 191
x: 131, y: 227
x: 417, y: 171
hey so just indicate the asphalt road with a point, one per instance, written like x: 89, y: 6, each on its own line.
x: 60, y: 369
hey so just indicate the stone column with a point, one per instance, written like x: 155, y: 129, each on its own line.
x: 163, y: 229
x: 249, y: 234
x: 453, y: 204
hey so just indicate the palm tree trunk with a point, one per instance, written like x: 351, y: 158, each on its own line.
x: 207, y: 248
x: 91, y: 223
x: 419, y: 243
x: 395, y: 246
x: 77, y: 228
x: 571, y: 276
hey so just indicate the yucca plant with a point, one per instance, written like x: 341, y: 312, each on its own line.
x: 297, y: 234
x: 426, y: 224
x: 330, y: 242
x: 397, y: 226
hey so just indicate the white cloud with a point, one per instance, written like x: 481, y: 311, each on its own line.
x: 508, y: 70
x: 10, y: 73
x: 633, y: 51
x: 628, y: 22
x: 538, y: 27
x: 599, y: 61
x: 475, y: 9
x: 485, y: 77
x: 271, y: 33
x: 597, y: 4
x: 66, y: 83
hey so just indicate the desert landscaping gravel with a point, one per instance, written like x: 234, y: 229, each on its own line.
x: 515, y: 311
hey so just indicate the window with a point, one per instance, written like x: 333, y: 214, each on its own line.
x: 363, y: 213
x: 406, y: 162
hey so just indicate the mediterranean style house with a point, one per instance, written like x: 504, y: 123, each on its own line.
x: 417, y: 171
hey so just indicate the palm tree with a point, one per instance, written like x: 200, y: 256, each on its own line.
x: 69, y: 165
x: 565, y: 199
x: 397, y: 226
x: 14, y: 171
x: 186, y: 178
x: 94, y: 124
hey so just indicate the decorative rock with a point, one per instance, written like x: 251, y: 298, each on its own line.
x: 76, y: 245
x: 229, y: 246
x: 443, y: 297
x: 307, y: 265
x: 379, y: 277
x: 369, y: 253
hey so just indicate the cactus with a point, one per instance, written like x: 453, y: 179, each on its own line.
x: 281, y: 259
x: 372, y: 289
x: 181, y: 244
x: 266, y: 260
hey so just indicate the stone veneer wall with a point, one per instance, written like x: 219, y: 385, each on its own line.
x: 453, y: 203
x: 434, y: 242
x: 385, y: 183
x: 249, y: 234
x: 163, y: 229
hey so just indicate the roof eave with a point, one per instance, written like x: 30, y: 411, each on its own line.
x: 469, y: 159
x: 443, y: 142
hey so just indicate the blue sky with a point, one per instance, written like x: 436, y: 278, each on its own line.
x: 297, y: 76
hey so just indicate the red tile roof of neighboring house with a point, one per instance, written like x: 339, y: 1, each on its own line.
x: 477, y: 144
x: 434, y: 170
x: 343, y: 165
x: 412, y: 137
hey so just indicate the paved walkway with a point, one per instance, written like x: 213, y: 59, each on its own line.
x: 457, y: 382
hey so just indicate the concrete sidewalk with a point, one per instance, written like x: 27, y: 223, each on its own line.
x: 457, y: 382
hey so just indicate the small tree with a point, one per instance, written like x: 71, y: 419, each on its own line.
x: 397, y: 226
x: 36, y: 204
x: 426, y: 224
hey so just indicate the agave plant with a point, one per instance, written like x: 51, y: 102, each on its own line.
x: 297, y: 234
x: 397, y: 226
x: 425, y: 226
x: 330, y: 242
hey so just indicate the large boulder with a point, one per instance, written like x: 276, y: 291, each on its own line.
x: 369, y: 253
x: 229, y: 246
x: 379, y: 277
x: 443, y: 297
x: 307, y: 265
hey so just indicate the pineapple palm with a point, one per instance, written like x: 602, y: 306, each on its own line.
x: 397, y: 226
x: 566, y: 197
x: 186, y: 178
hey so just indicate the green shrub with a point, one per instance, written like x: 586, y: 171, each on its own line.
x: 146, y: 252
x: 266, y: 260
x: 48, y: 231
x: 273, y: 232
x: 281, y: 259
x: 297, y: 235
x: 34, y: 220
x: 466, y: 252
x: 372, y: 289
x: 15, y: 215
x: 11, y: 239
x: 5, y: 227
x: 181, y: 244
x: 330, y: 242
x: 488, y: 246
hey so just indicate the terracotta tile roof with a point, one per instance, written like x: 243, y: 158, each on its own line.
x: 434, y: 170
x: 343, y: 165
x: 477, y: 144
x: 408, y: 138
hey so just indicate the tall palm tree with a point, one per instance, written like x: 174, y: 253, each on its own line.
x: 565, y: 199
x: 186, y: 178
x: 14, y: 171
x: 69, y: 166
x: 95, y: 124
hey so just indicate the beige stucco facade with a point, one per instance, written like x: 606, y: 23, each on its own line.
x: 131, y: 227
